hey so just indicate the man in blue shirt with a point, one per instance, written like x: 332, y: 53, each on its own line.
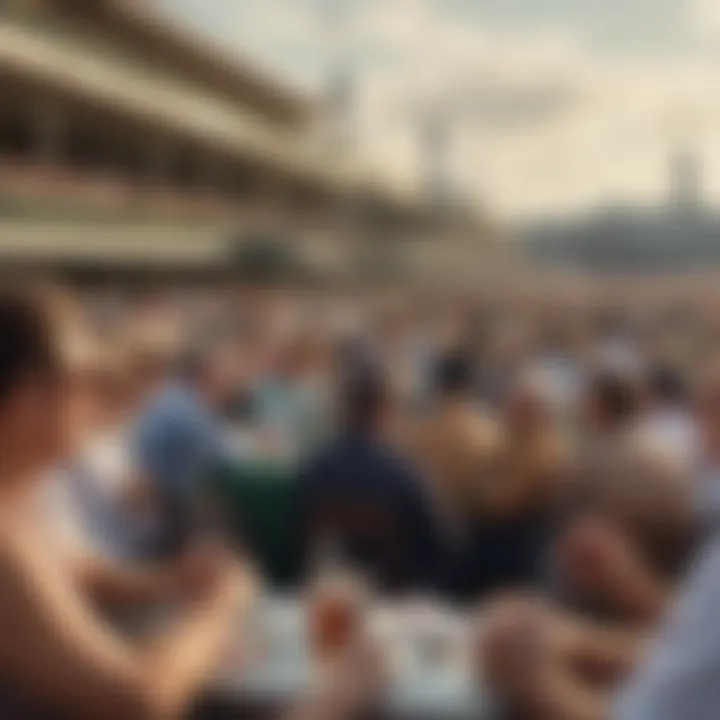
x: 178, y: 443
x: 364, y: 500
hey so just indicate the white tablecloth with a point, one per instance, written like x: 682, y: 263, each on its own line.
x: 428, y: 659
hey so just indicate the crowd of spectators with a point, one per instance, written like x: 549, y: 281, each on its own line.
x: 547, y: 462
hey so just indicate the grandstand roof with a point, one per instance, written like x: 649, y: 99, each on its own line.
x: 225, y: 72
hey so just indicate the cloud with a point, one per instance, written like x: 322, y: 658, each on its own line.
x: 547, y: 117
x: 703, y: 17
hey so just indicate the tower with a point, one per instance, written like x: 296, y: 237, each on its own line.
x: 340, y: 105
x: 685, y: 182
x: 341, y: 108
x: 435, y: 138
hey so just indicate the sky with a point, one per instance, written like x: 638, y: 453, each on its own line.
x: 555, y: 106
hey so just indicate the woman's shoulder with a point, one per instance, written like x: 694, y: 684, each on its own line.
x: 19, y: 543
x: 28, y: 547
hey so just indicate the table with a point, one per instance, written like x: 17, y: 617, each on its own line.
x: 271, y: 663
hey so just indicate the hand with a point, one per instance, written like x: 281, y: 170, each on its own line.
x: 357, y: 680
x: 511, y: 638
x: 596, y: 558
x: 207, y: 571
x: 195, y: 572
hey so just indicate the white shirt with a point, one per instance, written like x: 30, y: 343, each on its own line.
x: 84, y: 499
x: 558, y: 380
x: 680, y: 676
x: 676, y: 430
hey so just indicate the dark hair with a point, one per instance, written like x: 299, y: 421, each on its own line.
x: 364, y: 393
x: 667, y: 385
x: 27, y: 341
x: 617, y: 396
x: 455, y: 373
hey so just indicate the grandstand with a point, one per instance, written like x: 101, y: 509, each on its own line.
x: 125, y: 136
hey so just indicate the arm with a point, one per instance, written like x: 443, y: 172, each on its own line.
x: 54, y: 647
x: 605, y: 650
x: 642, y: 595
x: 564, y: 697
x: 111, y: 584
x: 531, y: 655
x: 602, y: 562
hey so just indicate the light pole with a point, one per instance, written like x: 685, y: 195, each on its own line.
x: 435, y: 129
x: 339, y: 132
x: 340, y: 81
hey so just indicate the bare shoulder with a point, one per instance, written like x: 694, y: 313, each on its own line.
x: 18, y: 560
x: 13, y: 541
x: 26, y: 562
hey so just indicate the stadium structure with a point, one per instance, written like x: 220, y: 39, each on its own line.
x: 129, y: 143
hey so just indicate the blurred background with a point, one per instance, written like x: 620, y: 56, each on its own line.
x: 353, y: 137
x: 168, y: 138
x: 376, y: 309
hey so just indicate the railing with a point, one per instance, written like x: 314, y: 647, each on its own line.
x: 34, y: 190
x: 96, y: 64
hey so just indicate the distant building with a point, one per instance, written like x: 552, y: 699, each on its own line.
x: 686, y: 183
x: 125, y: 140
x: 682, y: 234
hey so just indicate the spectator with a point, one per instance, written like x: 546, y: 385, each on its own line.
x: 678, y: 678
x: 534, y: 453
x: 88, y: 494
x: 513, y: 535
x: 622, y: 477
x: 179, y: 443
x: 291, y: 401
x: 57, y: 653
x: 360, y: 495
x: 457, y: 443
x: 669, y: 420
x: 528, y: 647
